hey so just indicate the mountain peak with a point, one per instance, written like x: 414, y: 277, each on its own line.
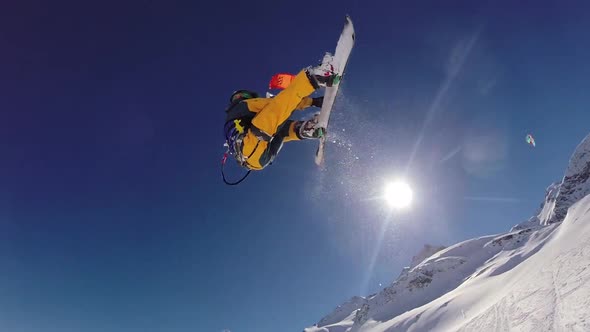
x: 574, y: 186
x: 427, y: 251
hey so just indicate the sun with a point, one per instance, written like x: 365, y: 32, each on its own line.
x: 398, y: 194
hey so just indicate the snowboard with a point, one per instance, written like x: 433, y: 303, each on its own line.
x: 341, y: 54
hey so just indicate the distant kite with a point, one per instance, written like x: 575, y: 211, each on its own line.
x: 531, y: 140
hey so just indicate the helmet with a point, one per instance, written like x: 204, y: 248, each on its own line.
x: 240, y: 95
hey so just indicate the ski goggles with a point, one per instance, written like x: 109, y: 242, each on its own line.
x: 242, y: 95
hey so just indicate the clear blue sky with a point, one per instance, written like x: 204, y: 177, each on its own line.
x: 113, y: 215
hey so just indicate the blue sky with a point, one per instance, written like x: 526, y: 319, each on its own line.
x: 113, y: 215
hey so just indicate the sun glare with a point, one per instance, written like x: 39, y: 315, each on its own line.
x: 398, y: 194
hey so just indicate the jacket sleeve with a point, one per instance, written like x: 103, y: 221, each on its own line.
x: 255, y: 105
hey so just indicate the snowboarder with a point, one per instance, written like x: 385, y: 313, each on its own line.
x: 255, y: 128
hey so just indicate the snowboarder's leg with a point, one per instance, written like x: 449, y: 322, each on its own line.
x: 279, y: 109
x: 287, y: 131
x: 299, y: 130
x: 282, y: 135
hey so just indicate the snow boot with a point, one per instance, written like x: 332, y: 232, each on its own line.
x: 323, y: 74
x: 307, y: 129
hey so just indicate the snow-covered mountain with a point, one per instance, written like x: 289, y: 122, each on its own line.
x: 534, y: 277
x: 574, y: 186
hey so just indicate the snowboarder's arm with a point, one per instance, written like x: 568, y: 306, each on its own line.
x: 256, y: 105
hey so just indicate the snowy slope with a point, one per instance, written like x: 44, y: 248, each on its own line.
x: 550, y: 291
x: 344, y: 311
x: 534, y: 277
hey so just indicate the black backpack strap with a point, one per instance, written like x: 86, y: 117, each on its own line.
x: 223, y: 173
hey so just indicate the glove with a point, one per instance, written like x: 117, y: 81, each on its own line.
x: 317, y: 101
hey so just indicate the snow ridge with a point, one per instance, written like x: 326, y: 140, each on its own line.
x: 575, y: 184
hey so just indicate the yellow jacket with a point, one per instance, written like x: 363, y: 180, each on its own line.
x: 262, y: 124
